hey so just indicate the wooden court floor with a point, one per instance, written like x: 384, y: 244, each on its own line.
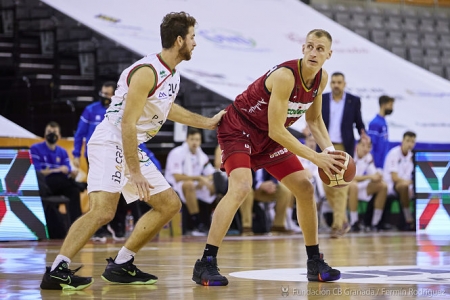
x: 374, y: 266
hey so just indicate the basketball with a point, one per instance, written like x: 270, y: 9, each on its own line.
x: 340, y: 180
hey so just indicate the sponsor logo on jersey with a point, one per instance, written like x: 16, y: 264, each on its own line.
x: 296, y: 112
x: 296, y: 109
x: 256, y: 107
x: 162, y: 73
x: 117, y: 176
x: 278, y: 153
x: 162, y: 95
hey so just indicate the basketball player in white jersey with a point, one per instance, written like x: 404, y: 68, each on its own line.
x: 398, y: 174
x: 367, y: 182
x: 142, y: 103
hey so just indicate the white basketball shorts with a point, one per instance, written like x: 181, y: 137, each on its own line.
x: 107, y: 168
x: 362, y: 191
x: 202, y: 194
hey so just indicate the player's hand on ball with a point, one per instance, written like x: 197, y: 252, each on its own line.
x: 344, y: 175
x: 142, y: 185
x: 330, y: 164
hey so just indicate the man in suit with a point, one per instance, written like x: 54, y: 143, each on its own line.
x: 340, y: 112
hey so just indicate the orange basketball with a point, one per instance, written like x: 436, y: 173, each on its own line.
x: 340, y: 180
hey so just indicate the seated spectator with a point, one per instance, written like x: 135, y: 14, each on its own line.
x: 190, y: 173
x: 367, y: 183
x: 398, y: 170
x: 53, y: 162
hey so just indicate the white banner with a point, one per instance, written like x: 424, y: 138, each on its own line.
x: 11, y: 129
x: 237, y: 41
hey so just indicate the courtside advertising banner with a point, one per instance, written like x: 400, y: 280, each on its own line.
x: 237, y: 41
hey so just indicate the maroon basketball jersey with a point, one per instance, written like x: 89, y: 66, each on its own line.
x: 253, y: 103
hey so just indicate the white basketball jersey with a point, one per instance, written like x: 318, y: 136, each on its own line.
x: 159, y: 100
x: 397, y: 162
x: 364, y: 165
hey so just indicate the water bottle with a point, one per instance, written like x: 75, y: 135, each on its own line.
x: 129, y: 223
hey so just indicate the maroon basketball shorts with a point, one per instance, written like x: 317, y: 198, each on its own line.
x: 239, y: 138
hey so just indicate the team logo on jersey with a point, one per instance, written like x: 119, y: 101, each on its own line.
x: 315, y: 93
x: 162, y: 95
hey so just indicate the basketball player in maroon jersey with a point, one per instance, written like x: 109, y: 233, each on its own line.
x: 253, y: 134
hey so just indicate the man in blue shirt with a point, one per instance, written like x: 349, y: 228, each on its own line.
x: 92, y: 115
x: 53, y: 162
x: 378, y: 131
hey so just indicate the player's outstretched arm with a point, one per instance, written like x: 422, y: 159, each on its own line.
x: 184, y: 116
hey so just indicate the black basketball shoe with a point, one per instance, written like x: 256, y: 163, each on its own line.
x: 206, y: 272
x: 126, y: 273
x: 62, y: 278
x: 319, y: 270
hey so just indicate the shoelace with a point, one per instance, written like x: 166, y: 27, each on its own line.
x: 212, y: 269
x: 323, y: 265
x: 133, y: 268
x: 71, y: 272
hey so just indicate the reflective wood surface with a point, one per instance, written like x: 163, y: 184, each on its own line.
x: 278, y: 264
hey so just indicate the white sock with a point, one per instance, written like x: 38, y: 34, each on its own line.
x: 353, y: 217
x: 377, y: 214
x: 124, y: 255
x: 407, y: 214
x: 59, y: 259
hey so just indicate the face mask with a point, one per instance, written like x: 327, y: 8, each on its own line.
x: 51, y: 138
x: 105, y: 101
x: 388, y: 111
